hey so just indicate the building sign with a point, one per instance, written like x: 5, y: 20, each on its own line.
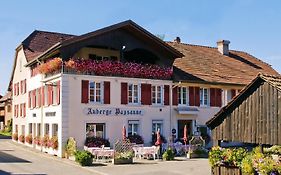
x: 113, y: 112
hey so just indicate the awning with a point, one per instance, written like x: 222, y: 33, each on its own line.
x: 187, y: 110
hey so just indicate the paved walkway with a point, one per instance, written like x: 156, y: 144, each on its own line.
x: 18, y: 159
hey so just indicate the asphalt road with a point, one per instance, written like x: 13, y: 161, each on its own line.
x: 17, y: 159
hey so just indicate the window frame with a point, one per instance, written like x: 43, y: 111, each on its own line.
x: 157, y: 122
x: 133, y: 123
x: 95, y: 129
x: 101, y: 89
x: 181, y: 95
x: 138, y: 86
x: 157, y: 95
x: 202, y: 101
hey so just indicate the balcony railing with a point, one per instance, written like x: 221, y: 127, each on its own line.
x: 105, y: 68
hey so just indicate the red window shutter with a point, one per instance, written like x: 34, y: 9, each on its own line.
x: 24, y: 86
x: 197, y: 96
x: 85, y: 91
x: 18, y: 88
x: 191, y: 96
x: 233, y: 93
x: 106, y: 92
x: 43, y: 96
x: 17, y: 108
x: 213, y: 97
x: 146, y: 94
x: 58, y: 92
x: 29, y: 99
x: 20, y: 110
x: 50, y: 95
x: 166, y: 95
x: 15, y: 89
x: 34, y: 98
x: 124, y: 93
x: 219, y: 100
x: 24, y: 110
x: 175, y: 96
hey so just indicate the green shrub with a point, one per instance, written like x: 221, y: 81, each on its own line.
x: 168, y: 154
x: 84, y: 158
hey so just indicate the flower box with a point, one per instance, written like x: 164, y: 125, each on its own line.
x: 122, y: 161
x: 225, y: 170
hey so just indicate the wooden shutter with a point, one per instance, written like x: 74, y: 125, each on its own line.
x: 106, y: 92
x: 18, y: 88
x: 20, y: 110
x: 191, y: 96
x: 197, y: 96
x: 29, y: 99
x: 24, y: 110
x: 146, y: 94
x: 33, y: 99
x: 233, y: 93
x: 166, y: 95
x: 15, y: 93
x: 58, y: 93
x: 175, y: 96
x: 43, y: 96
x: 24, y: 86
x: 84, y: 91
x: 124, y: 93
x: 218, y: 98
x: 39, y: 97
x: 213, y: 97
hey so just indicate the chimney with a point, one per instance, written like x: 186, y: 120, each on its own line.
x: 177, y: 40
x: 223, y: 47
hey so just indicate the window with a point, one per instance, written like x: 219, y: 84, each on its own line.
x: 157, y: 95
x: 16, y: 128
x: 38, y: 129
x: 47, y: 129
x: 95, y: 92
x: 9, y: 108
x: 133, y: 94
x: 133, y: 127
x: 22, y: 129
x: 157, y: 125
x: 95, y: 130
x: 30, y: 128
x: 204, y: 97
x: 55, y: 129
x: 183, y: 95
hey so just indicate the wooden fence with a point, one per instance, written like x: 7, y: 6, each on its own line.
x: 224, y: 170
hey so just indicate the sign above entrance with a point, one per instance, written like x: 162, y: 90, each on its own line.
x: 113, y: 112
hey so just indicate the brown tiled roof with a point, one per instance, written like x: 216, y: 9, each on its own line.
x: 202, y: 63
x: 6, y: 97
x: 39, y: 41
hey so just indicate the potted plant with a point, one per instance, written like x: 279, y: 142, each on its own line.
x: 84, y: 158
x: 125, y: 157
x: 168, y: 154
x: 22, y: 138
x: 29, y: 139
x: 15, y: 136
x: 70, y: 148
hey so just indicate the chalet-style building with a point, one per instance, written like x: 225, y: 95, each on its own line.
x: 254, y: 116
x: 5, y: 109
x: 122, y: 75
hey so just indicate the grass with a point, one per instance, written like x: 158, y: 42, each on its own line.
x: 5, y: 133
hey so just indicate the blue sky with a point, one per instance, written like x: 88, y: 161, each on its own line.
x: 251, y: 25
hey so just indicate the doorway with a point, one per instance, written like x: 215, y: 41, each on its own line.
x: 181, y: 124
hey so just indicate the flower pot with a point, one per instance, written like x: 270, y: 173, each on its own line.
x: 122, y: 161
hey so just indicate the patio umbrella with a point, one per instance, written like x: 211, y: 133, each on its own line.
x: 124, y: 133
x: 158, y: 136
x: 185, y: 134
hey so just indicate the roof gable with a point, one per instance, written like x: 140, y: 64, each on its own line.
x: 272, y: 80
x: 40, y: 41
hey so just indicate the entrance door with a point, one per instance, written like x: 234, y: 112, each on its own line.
x: 181, y: 124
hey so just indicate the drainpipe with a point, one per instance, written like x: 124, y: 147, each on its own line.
x: 171, y: 103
